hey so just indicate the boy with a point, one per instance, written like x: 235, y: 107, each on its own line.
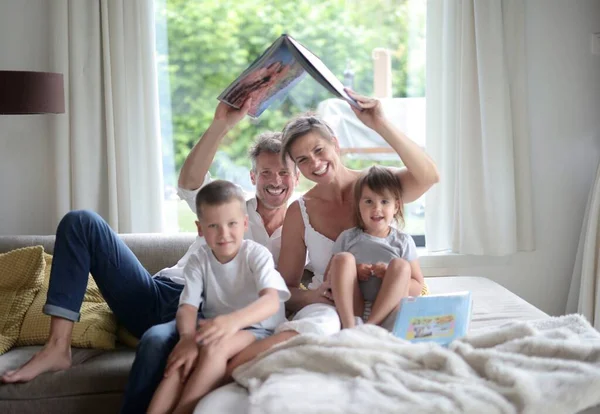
x: 240, y: 291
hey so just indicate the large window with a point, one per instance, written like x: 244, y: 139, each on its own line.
x: 203, y: 45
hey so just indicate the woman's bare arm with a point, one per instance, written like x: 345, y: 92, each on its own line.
x: 292, y: 259
x: 420, y: 171
x: 292, y: 256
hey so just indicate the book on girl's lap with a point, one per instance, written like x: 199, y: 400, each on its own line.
x: 435, y: 318
x: 274, y: 73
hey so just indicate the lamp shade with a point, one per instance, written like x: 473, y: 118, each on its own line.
x: 31, y: 93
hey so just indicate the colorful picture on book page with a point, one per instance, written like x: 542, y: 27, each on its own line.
x: 266, y: 83
x: 431, y: 327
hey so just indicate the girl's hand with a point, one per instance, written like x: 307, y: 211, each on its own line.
x: 230, y: 115
x: 211, y: 330
x: 183, y: 356
x: 379, y: 269
x: 364, y: 271
x: 372, y: 112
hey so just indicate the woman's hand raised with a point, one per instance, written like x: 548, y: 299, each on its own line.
x: 371, y: 114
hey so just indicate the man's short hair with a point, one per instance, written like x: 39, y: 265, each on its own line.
x: 217, y: 193
x: 266, y: 142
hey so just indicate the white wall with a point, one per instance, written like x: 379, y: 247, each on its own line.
x: 564, y: 114
x: 26, y: 159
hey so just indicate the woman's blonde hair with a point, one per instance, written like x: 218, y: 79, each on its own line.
x: 379, y: 180
x: 300, y: 126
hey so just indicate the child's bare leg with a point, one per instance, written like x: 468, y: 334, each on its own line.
x: 167, y: 394
x: 416, y: 287
x: 359, y: 301
x: 255, y: 348
x: 344, y: 287
x: 395, y: 286
x: 210, y: 370
x: 55, y: 356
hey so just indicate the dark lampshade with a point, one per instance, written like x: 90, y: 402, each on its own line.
x: 31, y: 93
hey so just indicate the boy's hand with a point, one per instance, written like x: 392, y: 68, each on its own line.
x: 379, y: 269
x: 183, y: 356
x: 212, y: 330
x: 364, y: 271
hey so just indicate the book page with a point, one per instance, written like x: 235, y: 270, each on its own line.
x: 336, y: 87
x: 437, y: 326
x: 267, y: 80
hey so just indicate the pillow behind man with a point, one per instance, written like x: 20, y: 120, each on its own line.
x: 96, y: 328
x: 21, y: 276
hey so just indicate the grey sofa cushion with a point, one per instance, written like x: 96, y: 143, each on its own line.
x: 93, y: 372
x: 77, y: 404
x: 154, y: 250
x: 97, y: 379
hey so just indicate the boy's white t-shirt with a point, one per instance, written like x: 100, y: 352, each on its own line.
x: 222, y: 288
x: 256, y: 231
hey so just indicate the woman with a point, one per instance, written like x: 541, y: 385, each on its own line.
x: 314, y: 222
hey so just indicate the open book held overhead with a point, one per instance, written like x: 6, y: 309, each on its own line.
x: 270, y: 77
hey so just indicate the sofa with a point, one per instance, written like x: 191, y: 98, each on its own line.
x: 96, y: 381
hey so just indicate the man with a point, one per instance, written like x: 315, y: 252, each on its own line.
x: 145, y: 304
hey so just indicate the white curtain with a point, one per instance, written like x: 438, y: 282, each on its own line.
x: 107, y: 146
x: 584, y: 295
x: 476, y: 128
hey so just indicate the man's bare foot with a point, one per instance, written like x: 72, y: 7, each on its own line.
x: 53, y: 357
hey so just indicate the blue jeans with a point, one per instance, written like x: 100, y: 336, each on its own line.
x: 149, y: 365
x: 151, y: 356
x: 86, y: 244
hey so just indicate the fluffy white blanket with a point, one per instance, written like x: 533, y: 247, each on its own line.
x: 545, y: 366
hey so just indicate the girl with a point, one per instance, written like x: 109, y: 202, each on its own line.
x: 373, y: 262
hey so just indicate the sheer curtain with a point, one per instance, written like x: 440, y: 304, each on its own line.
x: 584, y: 295
x: 107, y: 147
x: 476, y: 128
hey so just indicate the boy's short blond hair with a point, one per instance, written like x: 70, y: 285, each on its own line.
x: 217, y: 193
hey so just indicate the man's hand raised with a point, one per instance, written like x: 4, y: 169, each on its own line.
x: 231, y: 116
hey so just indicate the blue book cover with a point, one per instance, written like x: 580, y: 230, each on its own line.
x: 436, y: 318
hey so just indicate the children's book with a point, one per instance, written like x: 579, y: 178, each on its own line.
x: 437, y: 318
x: 273, y: 74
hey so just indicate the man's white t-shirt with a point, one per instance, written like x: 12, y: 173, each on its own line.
x: 256, y: 231
x: 222, y: 288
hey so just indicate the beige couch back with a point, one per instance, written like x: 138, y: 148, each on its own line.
x: 154, y: 250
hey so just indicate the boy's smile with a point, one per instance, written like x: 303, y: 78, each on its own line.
x: 223, y: 227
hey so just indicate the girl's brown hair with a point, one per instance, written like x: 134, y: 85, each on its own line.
x: 378, y: 179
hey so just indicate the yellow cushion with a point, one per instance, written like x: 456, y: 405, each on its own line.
x: 127, y: 338
x: 21, y: 275
x: 425, y: 289
x: 96, y: 328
